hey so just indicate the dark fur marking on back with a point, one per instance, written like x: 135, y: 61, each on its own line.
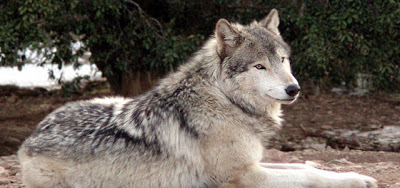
x: 137, y: 117
x: 109, y: 131
x: 179, y: 112
x: 113, y: 133
x: 184, y: 124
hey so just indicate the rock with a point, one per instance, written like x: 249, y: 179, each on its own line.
x: 341, y: 161
x: 338, y: 91
x: 395, y: 98
x: 5, y: 165
x: 318, y: 147
x: 8, y: 158
x: 4, y: 181
x: 313, y: 163
x: 396, y: 185
x: 295, y: 160
x: 374, y: 127
x: 275, y: 156
x: 359, y: 92
x: 309, y: 151
x: 12, y: 99
x: 326, y: 127
x: 13, y: 172
x: 329, y: 149
x: 329, y: 133
x: 346, y: 149
x: 13, y: 141
x: 3, y: 171
x: 341, y: 142
x: 287, y: 147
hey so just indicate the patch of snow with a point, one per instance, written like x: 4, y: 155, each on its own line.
x: 32, y: 75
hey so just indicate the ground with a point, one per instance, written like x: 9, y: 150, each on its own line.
x: 331, y: 131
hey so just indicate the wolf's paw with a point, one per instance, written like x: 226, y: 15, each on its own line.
x: 361, y: 181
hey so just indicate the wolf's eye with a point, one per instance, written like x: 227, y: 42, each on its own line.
x: 259, y: 66
x: 283, y: 59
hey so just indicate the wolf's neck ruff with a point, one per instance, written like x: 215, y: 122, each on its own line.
x: 208, y: 66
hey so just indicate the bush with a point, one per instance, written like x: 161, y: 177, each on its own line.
x: 121, y: 36
x: 332, y: 41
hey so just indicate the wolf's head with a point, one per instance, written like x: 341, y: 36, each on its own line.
x: 255, y: 63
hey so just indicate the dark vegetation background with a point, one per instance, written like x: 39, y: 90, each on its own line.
x: 135, y: 42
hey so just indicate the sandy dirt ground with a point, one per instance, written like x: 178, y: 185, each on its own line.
x: 383, y: 166
x: 309, y: 133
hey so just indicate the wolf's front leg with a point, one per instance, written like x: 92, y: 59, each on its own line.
x: 300, y: 175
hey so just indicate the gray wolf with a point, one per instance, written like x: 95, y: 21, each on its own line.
x: 204, y: 125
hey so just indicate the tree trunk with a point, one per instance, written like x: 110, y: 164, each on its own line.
x: 133, y: 83
x: 126, y: 83
x: 138, y: 82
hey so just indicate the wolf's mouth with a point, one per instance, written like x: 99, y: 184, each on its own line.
x: 288, y: 100
x: 283, y: 100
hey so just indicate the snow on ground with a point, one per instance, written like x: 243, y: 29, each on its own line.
x: 32, y: 75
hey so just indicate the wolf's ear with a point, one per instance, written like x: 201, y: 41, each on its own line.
x: 228, y: 38
x: 271, y: 22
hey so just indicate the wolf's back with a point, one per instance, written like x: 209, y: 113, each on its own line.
x: 105, y: 138
x: 73, y: 129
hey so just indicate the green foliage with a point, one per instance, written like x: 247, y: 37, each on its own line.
x: 332, y: 41
x: 72, y: 86
x: 120, y: 35
x: 335, y: 40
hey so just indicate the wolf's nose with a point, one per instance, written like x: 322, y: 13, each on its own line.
x: 292, y: 90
